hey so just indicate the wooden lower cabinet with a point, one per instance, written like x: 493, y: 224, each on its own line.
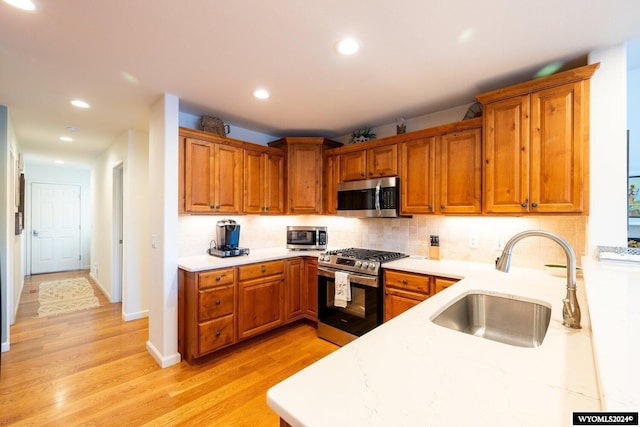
x: 206, y: 311
x: 311, y: 288
x: 260, y: 300
x: 217, y: 308
x: 403, y: 290
x: 294, y: 293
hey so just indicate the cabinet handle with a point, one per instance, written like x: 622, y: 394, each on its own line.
x: 264, y: 269
x: 443, y: 207
x: 404, y: 281
x: 534, y: 205
x: 430, y: 207
x: 525, y: 203
x: 218, y: 332
x: 218, y: 278
x: 217, y: 302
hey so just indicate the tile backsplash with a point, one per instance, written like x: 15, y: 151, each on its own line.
x: 409, y: 235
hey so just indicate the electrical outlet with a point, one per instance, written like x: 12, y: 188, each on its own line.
x: 473, y: 241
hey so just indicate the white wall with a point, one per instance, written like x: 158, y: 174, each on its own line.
x: 633, y: 120
x: 608, y: 151
x: 36, y: 171
x: 131, y: 151
x: 6, y: 211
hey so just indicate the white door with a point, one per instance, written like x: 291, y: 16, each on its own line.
x: 55, y: 227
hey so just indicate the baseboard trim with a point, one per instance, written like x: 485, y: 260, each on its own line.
x: 163, y: 361
x: 135, y: 316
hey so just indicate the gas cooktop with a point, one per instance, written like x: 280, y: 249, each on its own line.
x: 358, y: 259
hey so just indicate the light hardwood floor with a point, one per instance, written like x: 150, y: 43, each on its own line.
x: 92, y: 368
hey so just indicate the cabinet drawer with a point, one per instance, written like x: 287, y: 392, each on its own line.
x: 215, y: 334
x: 263, y: 269
x: 216, y: 302
x: 443, y: 283
x: 224, y: 276
x: 415, y: 282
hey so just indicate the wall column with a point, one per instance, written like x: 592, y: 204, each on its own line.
x: 163, y: 228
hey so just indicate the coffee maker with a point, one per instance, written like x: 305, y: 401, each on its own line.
x: 227, y: 240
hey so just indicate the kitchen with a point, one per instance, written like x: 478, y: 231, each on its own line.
x: 183, y: 235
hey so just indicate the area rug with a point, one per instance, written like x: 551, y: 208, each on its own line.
x: 65, y: 296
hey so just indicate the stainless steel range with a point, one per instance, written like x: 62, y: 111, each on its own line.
x: 341, y: 322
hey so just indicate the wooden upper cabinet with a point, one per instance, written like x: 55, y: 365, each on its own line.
x: 212, y: 177
x: 331, y: 180
x: 417, y: 176
x: 506, y: 155
x: 536, y: 145
x: 369, y: 163
x: 304, y: 172
x: 353, y: 166
x: 558, y: 152
x: 263, y: 182
x: 459, y: 172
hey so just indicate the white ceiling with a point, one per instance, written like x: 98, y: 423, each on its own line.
x: 212, y: 54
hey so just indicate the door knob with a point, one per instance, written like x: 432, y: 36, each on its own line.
x: 35, y: 233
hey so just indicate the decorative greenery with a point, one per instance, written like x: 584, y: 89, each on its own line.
x: 361, y: 135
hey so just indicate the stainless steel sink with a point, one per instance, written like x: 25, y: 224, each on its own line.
x: 497, y: 318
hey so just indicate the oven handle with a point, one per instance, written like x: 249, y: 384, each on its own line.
x: 370, y: 281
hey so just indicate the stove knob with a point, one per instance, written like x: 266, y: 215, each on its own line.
x: 358, y: 263
x: 365, y: 264
x: 372, y: 266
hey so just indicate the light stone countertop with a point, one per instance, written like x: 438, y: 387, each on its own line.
x: 412, y: 372
x: 208, y: 262
x: 613, y: 291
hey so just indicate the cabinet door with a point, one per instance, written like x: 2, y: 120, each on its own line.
x: 459, y: 174
x: 353, y: 165
x: 397, y: 301
x: 274, y: 184
x: 253, y: 183
x: 199, y: 175
x: 259, y: 306
x: 506, y: 154
x: 557, y: 152
x: 305, y: 179
x: 417, y: 176
x: 227, y: 179
x: 382, y: 161
x: 294, y: 292
x: 311, y: 272
x: 332, y: 178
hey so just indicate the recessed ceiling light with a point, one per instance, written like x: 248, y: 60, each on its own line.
x: 347, y: 46
x: 71, y: 128
x: 66, y: 139
x: 80, y: 103
x: 261, y: 93
x: 60, y: 162
x: 22, y: 4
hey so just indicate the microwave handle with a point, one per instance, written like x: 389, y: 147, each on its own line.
x: 378, y: 211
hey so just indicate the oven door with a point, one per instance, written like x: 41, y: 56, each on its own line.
x: 362, y: 314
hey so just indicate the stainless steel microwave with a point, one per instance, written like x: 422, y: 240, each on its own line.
x: 369, y: 198
x: 304, y: 237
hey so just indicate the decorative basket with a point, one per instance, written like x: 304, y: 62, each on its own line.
x: 214, y: 125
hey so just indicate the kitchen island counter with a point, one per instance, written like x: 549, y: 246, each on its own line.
x: 410, y: 371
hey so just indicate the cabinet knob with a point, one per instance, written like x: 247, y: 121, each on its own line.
x: 525, y: 203
x: 386, y: 292
x: 443, y: 207
x: 264, y: 269
x: 218, y: 278
x: 217, y: 302
x: 404, y: 281
x: 430, y: 207
x: 534, y: 205
x: 218, y: 332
